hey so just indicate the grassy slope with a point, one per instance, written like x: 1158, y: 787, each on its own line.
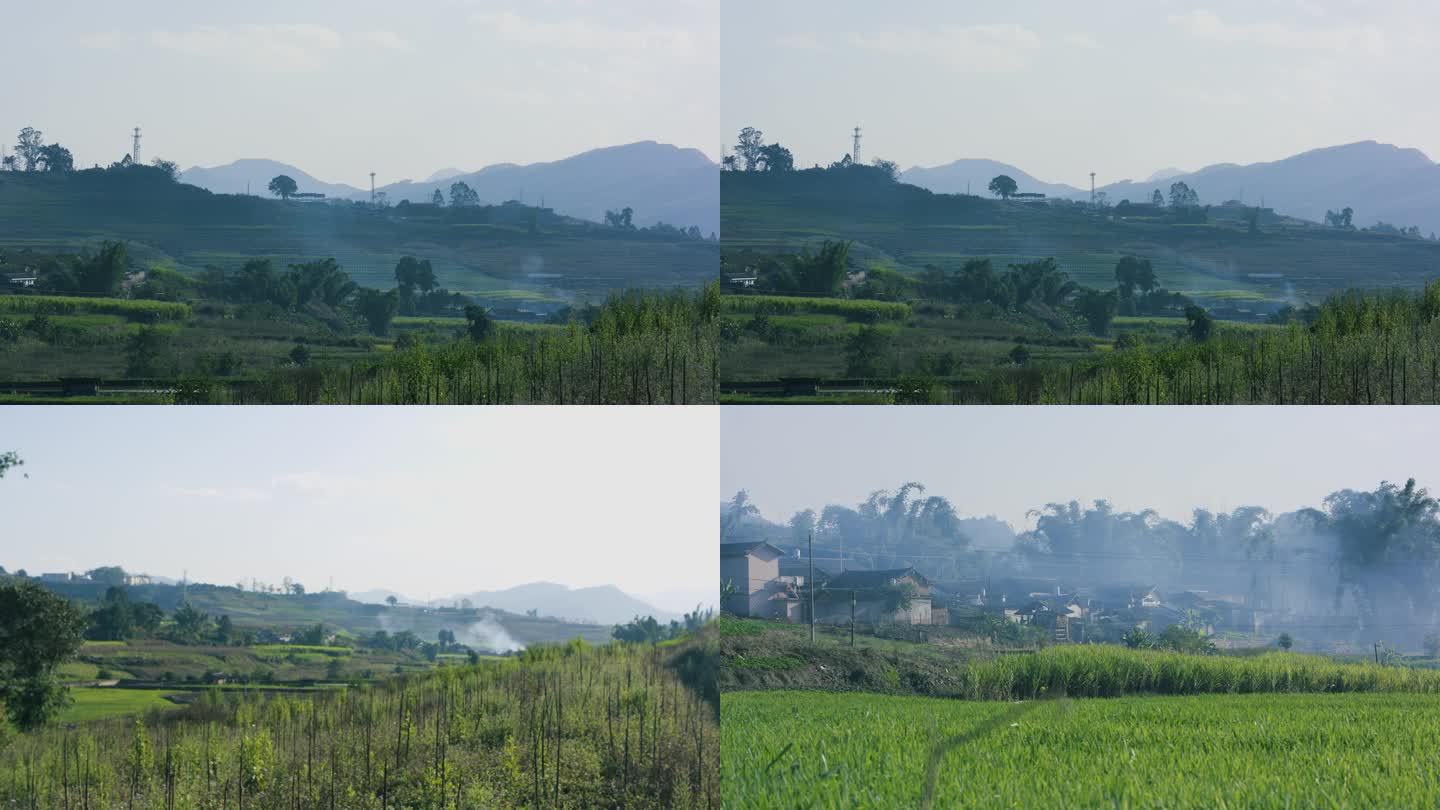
x: 255, y: 610
x: 1176, y: 752
x: 191, y: 228
x: 907, y: 228
x: 1213, y: 263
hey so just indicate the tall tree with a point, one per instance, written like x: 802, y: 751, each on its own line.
x: 776, y: 158
x: 41, y: 631
x: 462, y: 196
x: 1003, y: 186
x: 749, y: 150
x: 29, y: 148
x: 378, y: 309
x: 1182, y: 196
x: 437, y: 199
x: 1157, y: 199
x: 283, y: 186
x: 56, y: 158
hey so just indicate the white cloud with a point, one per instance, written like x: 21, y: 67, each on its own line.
x: 800, y: 41
x: 992, y: 48
x: 284, y: 47
x: 238, y: 494
x: 1206, y: 24
x: 316, y: 483
x: 271, y: 47
x: 576, y: 33
x: 383, y: 39
x: 1080, y: 39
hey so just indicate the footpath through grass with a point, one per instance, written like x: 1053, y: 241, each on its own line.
x: 815, y: 749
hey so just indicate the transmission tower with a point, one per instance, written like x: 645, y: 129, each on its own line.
x: 135, y: 149
x: 855, y: 150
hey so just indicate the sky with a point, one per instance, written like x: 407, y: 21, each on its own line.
x: 430, y: 502
x: 1007, y: 460
x: 1059, y: 89
x: 341, y: 88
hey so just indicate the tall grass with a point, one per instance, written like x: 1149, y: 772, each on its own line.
x: 572, y: 726
x: 1111, y: 671
x: 1360, y: 348
x: 640, y: 349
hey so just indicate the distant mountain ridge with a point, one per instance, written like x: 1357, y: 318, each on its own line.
x: 661, y: 182
x: 1380, y: 181
x: 254, y: 175
x: 975, y: 175
x: 602, y: 604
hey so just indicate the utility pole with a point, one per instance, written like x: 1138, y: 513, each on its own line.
x: 1377, y: 652
x: 852, y: 618
x: 810, y: 584
x: 1092, y: 188
x: 372, y: 188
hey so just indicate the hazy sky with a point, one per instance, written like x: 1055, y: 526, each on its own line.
x: 1119, y: 87
x: 1006, y: 460
x: 341, y: 88
x: 424, y: 501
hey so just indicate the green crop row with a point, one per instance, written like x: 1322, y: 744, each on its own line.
x: 787, y: 305
x: 65, y: 305
x: 1111, y: 671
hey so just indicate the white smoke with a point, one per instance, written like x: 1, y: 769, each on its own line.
x: 488, y: 634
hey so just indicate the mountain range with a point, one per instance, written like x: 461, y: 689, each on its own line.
x: 603, y: 604
x: 661, y: 182
x: 1381, y: 182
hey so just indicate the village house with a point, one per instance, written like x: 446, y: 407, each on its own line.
x: 750, y: 575
x: 876, y: 596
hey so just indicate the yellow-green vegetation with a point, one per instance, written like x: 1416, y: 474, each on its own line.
x: 824, y: 750
x: 147, y: 311
x: 846, y: 307
x: 568, y: 726
x: 1110, y: 671
x: 96, y: 703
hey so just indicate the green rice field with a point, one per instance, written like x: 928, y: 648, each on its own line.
x: 96, y: 703
x: 823, y: 750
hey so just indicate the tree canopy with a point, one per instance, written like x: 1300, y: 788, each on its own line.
x: 283, y: 186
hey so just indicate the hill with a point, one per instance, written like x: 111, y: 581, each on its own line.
x: 1216, y: 262
x: 662, y: 183
x: 496, y: 629
x: 1380, y: 181
x: 604, y: 604
x: 973, y: 176
x: 520, y: 255
x: 253, y: 176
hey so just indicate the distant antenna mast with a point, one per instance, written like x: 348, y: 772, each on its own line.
x: 1092, y: 188
x: 855, y: 150
x: 135, y: 149
x: 372, y: 188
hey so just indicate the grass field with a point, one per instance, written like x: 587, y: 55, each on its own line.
x: 819, y: 750
x: 97, y: 703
